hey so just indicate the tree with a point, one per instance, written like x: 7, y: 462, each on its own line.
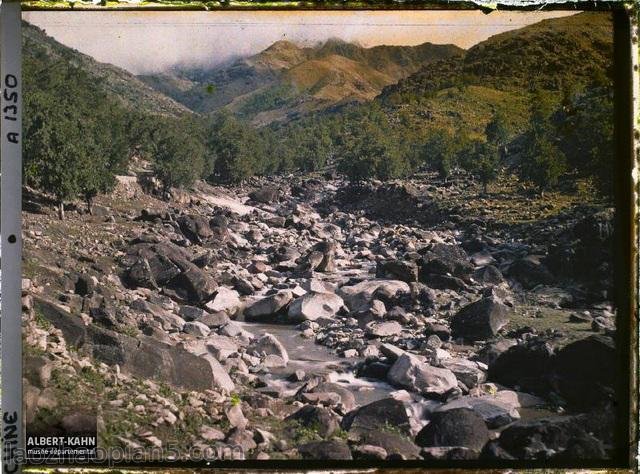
x: 496, y: 130
x: 179, y: 158
x: 314, y: 149
x: 439, y: 153
x: 543, y: 162
x: 72, y: 142
x: 109, y: 150
x: 483, y: 160
x: 585, y: 130
x: 232, y: 149
x: 369, y: 152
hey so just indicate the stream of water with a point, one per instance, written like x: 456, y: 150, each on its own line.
x: 315, y: 359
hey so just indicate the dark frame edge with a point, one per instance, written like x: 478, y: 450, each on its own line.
x: 626, y: 240
x: 627, y: 138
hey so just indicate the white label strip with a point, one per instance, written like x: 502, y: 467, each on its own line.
x: 11, y: 204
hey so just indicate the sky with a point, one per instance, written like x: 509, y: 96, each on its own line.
x: 152, y: 42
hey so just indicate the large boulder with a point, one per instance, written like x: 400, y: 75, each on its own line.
x: 495, y: 412
x: 454, y: 427
x: 268, y: 344
x: 417, y: 376
x: 192, y: 286
x: 264, y: 195
x: 444, y: 282
x: 489, y: 275
x: 584, y: 253
x: 360, y: 294
x: 219, y: 376
x: 196, y: 328
x: 324, y: 421
x: 383, y: 329
x: 402, y: 270
x: 526, y: 366
x: 153, y: 264
x: 338, y: 450
x: 268, y: 307
x: 314, y: 306
x: 481, y: 319
x: 85, y: 285
x: 543, y: 438
x: 194, y: 228
x: 320, y: 258
x: 529, y: 271
x: 445, y: 259
x: 346, y: 400
x: 492, y: 350
x: 397, y: 446
x: 221, y: 347
x: 143, y: 357
x: 584, y: 372
x: 151, y: 272
x: 387, y: 412
x: 224, y: 300
x: 466, y: 371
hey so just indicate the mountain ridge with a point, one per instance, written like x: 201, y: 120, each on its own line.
x: 537, y: 55
x: 314, y: 78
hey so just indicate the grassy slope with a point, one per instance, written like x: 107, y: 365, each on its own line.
x: 461, y: 94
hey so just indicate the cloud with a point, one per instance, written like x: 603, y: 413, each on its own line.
x: 147, y: 42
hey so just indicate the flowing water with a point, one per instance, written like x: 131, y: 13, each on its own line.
x: 315, y: 359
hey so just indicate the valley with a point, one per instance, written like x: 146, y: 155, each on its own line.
x: 327, y: 252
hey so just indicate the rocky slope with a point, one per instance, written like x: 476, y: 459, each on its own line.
x: 294, y: 322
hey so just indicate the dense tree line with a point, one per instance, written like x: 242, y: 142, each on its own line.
x: 74, y: 136
x: 77, y: 139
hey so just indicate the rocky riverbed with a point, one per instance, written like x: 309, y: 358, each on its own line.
x: 304, y: 317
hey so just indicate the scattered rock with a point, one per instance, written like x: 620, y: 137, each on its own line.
x: 480, y: 320
x: 455, y: 427
x: 338, y: 450
x: 410, y: 373
x: 268, y: 307
x: 314, y: 306
x: 321, y: 419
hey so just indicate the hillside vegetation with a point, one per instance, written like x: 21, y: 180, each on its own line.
x: 44, y: 53
x: 520, y: 102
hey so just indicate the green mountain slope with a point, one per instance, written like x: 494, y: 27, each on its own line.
x: 560, y: 60
x: 562, y: 56
x: 573, y: 50
x: 41, y: 52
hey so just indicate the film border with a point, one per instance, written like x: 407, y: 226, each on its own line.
x: 626, y: 132
x: 11, y: 152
